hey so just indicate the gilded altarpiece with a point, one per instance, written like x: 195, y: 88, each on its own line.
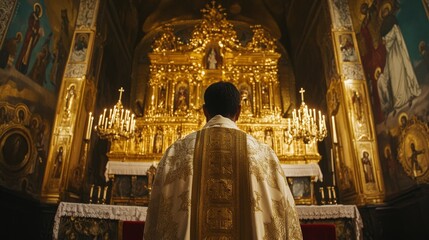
x: 65, y: 168
x: 179, y: 75
x: 356, y: 158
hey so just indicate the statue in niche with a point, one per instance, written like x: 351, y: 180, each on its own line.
x: 367, y: 167
x: 211, y: 59
x: 265, y: 96
x: 268, y: 139
x: 182, y: 99
x: 70, y: 95
x: 58, y: 162
x: 246, y: 105
x: 357, y: 105
x: 157, y: 142
x: 161, y: 96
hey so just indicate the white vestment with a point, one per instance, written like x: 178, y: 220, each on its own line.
x: 271, y: 207
x: 399, y: 70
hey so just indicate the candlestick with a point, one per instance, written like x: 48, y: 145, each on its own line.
x: 99, y: 194
x: 105, y: 194
x: 334, y: 195
x: 322, y: 195
x: 91, y: 192
x: 329, y: 195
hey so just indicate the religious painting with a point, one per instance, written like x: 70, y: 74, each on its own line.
x: 181, y: 98
x: 393, y: 41
x: 301, y: 188
x: 246, y: 98
x: 80, y: 47
x: 414, y: 150
x: 213, y: 58
x: 346, y: 47
x: 268, y: 137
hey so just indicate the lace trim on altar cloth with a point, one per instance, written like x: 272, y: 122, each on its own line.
x: 332, y: 212
x: 115, y: 212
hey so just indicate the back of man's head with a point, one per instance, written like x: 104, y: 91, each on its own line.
x: 222, y: 98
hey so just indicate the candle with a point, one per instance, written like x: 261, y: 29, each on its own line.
x: 89, y: 127
x: 91, y: 192
x: 99, y: 193
x: 334, y: 130
x: 105, y: 192
x: 332, y: 161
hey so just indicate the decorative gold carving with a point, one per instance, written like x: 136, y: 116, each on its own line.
x: 179, y: 74
x: 413, y: 150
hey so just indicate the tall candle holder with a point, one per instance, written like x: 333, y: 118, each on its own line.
x: 322, y: 196
x: 305, y: 124
x: 117, y: 122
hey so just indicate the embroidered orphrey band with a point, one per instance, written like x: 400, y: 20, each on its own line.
x: 221, y: 200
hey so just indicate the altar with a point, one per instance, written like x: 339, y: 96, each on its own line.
x: 99, y: 220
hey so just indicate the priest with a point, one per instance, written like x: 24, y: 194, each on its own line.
x: 221, y: 183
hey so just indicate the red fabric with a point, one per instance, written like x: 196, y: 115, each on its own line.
x: 318, y: 231
x: 132, y: 230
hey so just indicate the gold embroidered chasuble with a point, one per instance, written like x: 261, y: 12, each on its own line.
x: 220, y: 183
x: 221, y: 200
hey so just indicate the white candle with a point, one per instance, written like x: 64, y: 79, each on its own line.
x: 332, y: 161
x: 334, y: 130
x: 91, y: 191
x: 89, y: 127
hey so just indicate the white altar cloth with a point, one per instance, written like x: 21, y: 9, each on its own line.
x: 102, y: 211
x: 332, y: 212
x: 302, y: 170
x: 126, y: 168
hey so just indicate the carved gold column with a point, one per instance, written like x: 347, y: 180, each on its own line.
x: 65, y: 167
x: 355, y: 152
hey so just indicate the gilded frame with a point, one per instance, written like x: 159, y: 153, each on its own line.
x: 346, y: 49
x: 413, y: 150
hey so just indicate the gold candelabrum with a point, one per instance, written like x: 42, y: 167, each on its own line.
x: 117, y: 122
x: 305, y: 124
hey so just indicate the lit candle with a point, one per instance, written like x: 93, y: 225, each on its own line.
x: 100, y: 120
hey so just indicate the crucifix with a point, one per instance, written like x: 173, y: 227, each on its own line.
x: 121, y: 90
x: 302, y: 91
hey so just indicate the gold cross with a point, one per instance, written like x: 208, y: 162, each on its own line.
x: 121, y: 90
x: 302, y: 91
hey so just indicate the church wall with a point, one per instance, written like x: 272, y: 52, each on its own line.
x: 32, y: 59
x: 412, y: 19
